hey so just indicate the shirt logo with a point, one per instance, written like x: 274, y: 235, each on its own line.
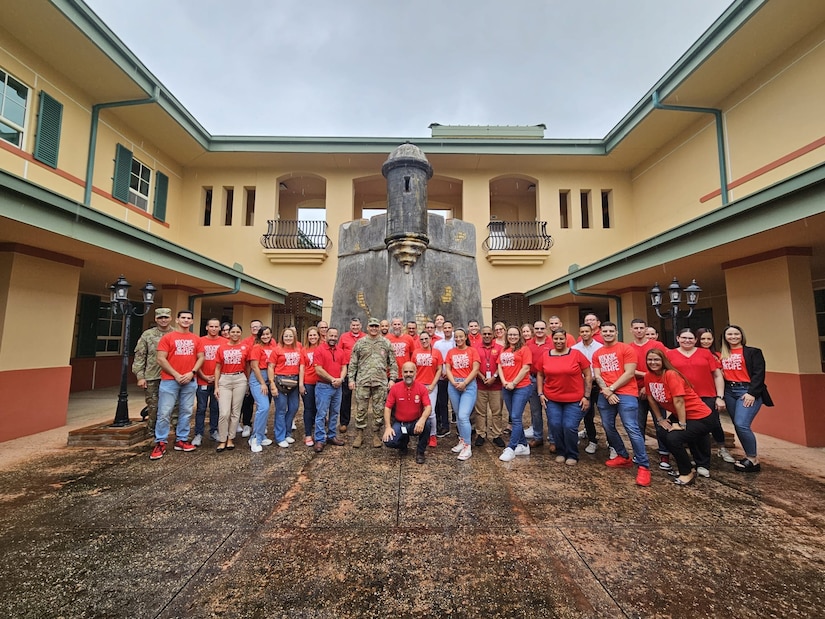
x: 184, y: 347
x: 507, y: 360
x: 210, y: 351
x: 233, y: 356
x: 424, y: 360
x: 292, y: 358
x: 734, y: 362
x: 609, y: 362
x: 657, y: 390
x: 461, y: 361
x: 400, y: 349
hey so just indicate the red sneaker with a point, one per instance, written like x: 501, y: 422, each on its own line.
x: 619, y: 462
x: 433, y: 441
x: 643, y: 476
x: 158, y: 452
x: 184, y: 446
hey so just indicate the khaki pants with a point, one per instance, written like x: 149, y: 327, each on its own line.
x: 489, y: 415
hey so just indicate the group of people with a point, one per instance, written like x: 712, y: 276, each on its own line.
x: 497, y: 380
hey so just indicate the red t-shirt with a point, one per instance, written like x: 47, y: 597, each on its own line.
x: 563, y: 380
x: 511, y: 363
x: 698, y: 369
x: 670, y: 385
x: 307, y: 360
x: 209, y: 346
x: 348, y: 339
x: 610, y: 360
x: 641, y: 357
x: 488, y: 356
x: 427, y: 364
x: 261, y: 354
x: 287, y: 361
x: 409, y: 402
x: 330, y: 359
x: 461, y: 361
x: 538, y: 350
x: 233, y: 358
x: 181, y: 352
x: 474, y: 340
x: 733, y: 368
x: 402, y: 346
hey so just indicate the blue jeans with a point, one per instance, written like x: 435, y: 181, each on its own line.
x: 563, y: 420
x: 169, y: 393
x: 515, y: 401
x: 463, y: 403
x: 309, y: 408
x: 401, y: 440
x: 628, y: 411
x: 206, y: 396
x: 286, y: 405
x: 262, y: 403
x: 327, y: 402
x: 742, y: 416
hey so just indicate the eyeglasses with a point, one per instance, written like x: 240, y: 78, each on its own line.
x: 539, y: 328
x: 499, y: 329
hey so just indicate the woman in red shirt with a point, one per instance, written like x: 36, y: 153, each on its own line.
x: 284, y: 370
x: 230, y: 385
x: 307, y: 379
x: 258, y: 363
x: 462, y: 365
x: 514, y: 371
x: 428, y: 362
x: 564, y: 380
x: 689, y: 420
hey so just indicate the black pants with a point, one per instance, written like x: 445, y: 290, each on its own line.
x: 346, y: 404
x: 716, y: 431
x: 696, y: 435
x: 246, y: 412
x: 442, y: 419
x: 401, y: 439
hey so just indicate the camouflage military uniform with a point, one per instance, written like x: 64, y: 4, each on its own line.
x: 369, y: 363
x: 145, y: 366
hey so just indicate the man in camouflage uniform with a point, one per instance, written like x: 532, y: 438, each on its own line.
x: 371, y: 362
x: 145, y: 366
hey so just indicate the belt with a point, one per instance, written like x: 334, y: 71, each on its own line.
x: 230, y: 373
x: 736, y: 384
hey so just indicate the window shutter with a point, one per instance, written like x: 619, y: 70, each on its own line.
x: 49, y: 121
x: 123, y: 173
x: 161, y: 189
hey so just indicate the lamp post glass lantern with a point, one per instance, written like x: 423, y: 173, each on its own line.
x: 122, y: 306
x: 674, y: 294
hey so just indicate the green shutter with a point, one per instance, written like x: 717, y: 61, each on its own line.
x: 123, y: 173
x: 87, y: 325
x: 49, y: 121
x: 161, y: 189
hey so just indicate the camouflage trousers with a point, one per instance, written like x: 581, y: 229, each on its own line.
x: 152, y: 387
x: 366, y: 397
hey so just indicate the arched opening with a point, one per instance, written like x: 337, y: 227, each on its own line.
x: 513, y: 309
x: 301, y: 221
x: 300, y: 310
x: 443, y: 196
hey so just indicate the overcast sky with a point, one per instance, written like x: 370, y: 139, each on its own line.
x: 375, y: 68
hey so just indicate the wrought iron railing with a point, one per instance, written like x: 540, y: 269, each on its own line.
x: 517, y: 235
x: 295, y: 234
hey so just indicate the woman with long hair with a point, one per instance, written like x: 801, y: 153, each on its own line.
x: 744, y: 370
x: 705, y: 339
x: 704, y: 372
x: 230, y: 385
x: 462, y: 363
x: 258, y: 364
x: 307, y: 379
x: 564, y: 382
x: 500, y: 333
x: 284, y: 369
x: 514, y: 372
x: 428, y: 362
x: 527, y: 332
x: 681, y: 416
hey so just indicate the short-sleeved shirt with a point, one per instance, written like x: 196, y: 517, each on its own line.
x: 181, y: 352
x: 348, y: 339
x: 488, y: 365
x: 538, y: 350
x: 209, y: 346
x: 641, y: 357
x: 262, y: 354
x: 563, y: 379
x: 330, y: 359
x: 409, y: 402
x: 402, y: 346
x: 233, y: 358
x: 461, y: 361
x: 670, y: 385
x: 610, y: 361
x: 511, y: 363
x: 734, y: 369
x: 307, y: 360
x: 287, y: 361
x: 427, y: 363
x: 698, y: 368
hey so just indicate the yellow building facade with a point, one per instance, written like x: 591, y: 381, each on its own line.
x: 717, y: 174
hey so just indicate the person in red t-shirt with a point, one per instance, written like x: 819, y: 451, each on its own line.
x: 231, y: 385
x: 514, y: 365
x: 257, y: 366
x: 461, y: 365
x: 307, y: 379
x: 245, y: 425
x: 554, y: 323
x: 209, y: 344
x: 346, y: 342
x: 428, y: 362
x: 540, y: 344
x: 331, y: 368
x: 614, y: 370
x: 473, y: 333
x: 180, y: 358
x: 284, y: 373
x: 564, y: 382
x: 595, y: 326
x: 402, y: 344
x: 489, y: 417
x: 690, y: 419
x: 411, y: 402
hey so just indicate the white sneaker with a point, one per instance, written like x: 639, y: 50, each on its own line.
x: 240, y: 428
x: 701, y: 471
x: 591, y: 448
x: 528, y: 433
x: 290, y: 440
x: 522, y: 450
x: 283, y: 444
x: 458, y: 447
x: 612, y: 454
x: 725, y: 455
x: 247, y: 430
x: 294, y: 427
x: 215, y: 436
x: 197, y: 440
x: 507, y: 455
x: 255, y: 447
x: 266, y: 442
x: 582, y: 434
x: 466, y: 453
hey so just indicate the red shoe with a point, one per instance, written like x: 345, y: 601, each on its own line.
x: 433, y: 441
x: 643, y: 476
x: 184, y: 446
x: 158, y: 452
x: 619, y: 462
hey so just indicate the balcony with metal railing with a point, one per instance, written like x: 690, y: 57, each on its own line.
x: 292, y: 241
x: 517, y: 243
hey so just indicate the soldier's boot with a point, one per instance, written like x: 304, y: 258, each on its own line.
x: 359, y: 438
x: 376, y: 438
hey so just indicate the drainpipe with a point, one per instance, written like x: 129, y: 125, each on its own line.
x: 617, y: 299
x: 90, y: 160
x: 195, y: 297
x: 720, y: 136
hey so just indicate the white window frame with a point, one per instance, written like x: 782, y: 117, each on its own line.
x: 114, y: 334
x: 27, y: 106
x: 136, y: 197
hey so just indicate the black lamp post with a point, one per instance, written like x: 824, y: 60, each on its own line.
x: 122, y: 306
x: 674, y: 293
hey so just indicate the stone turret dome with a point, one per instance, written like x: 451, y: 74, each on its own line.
x: 407, y: 154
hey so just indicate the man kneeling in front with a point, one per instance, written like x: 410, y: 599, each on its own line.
x: 412, y: 411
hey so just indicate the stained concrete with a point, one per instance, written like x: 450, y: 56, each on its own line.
x: 368, y: 533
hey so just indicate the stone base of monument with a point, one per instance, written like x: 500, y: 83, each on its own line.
x: 104, y: 435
